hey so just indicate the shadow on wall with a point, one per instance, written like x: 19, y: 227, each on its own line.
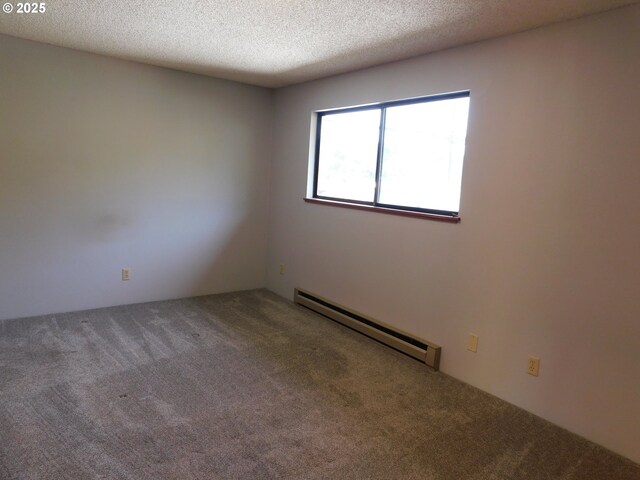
x: 237, y: 263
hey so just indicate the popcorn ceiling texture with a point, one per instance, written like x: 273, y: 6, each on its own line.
x: 275, y: 43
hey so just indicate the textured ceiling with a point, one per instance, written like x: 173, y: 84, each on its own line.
x: 280, y: 42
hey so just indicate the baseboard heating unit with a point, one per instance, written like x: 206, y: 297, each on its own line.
x: 422, y: 350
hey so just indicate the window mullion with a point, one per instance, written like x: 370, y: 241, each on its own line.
x: 316, y: 165
x: 383, y: 117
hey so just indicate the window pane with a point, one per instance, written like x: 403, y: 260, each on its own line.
x: 348, y: 151
x: 423, y: 153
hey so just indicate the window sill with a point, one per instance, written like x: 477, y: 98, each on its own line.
x: 388, y: 211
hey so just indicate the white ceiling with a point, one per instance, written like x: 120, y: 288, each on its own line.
x: 281, y: 42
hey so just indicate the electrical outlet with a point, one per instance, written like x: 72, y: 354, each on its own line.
x: 472, y: 342
x: 126, y: 274
x: 534, y: 366
x: 282, y: 269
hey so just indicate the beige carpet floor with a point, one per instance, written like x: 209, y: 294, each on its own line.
x: 248, y: 386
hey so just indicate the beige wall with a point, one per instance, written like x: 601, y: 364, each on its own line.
x: 546, y: 260
x: 106, y: 164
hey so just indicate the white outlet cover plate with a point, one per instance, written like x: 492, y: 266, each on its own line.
x: 472, y: 343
